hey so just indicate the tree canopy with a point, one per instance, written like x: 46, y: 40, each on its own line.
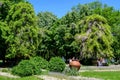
x: 46, y: 19
x: 95, y: 37
x: 23, y: 33
x: 87, y: 30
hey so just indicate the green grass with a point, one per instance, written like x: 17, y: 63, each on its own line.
x: 24, y: 78
x: 106, y: 75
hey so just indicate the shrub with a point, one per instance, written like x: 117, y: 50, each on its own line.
x: 5, y: 70
x: 26, y: 68
x: 116, y: 63
x: 40, y: 62
x: 71, y: 71
x: 56, y: 64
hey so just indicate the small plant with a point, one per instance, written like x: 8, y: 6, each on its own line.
x: 56, y: 64
x: 40, y: 62
x: 5, y: 70
x: 116, y: 63
x: 26, y: 68
x: 71, y: 71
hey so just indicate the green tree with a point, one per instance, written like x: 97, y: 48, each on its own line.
x: 59, y: 41
x: 70, y: 17
x: 82, y: 10
x: 16, y: 1
x: 116, y: 43
x: 3, y: 44
x: 95, y: 37
x: 46, y: 19
x: 23, y: 38
x: 4, y: 8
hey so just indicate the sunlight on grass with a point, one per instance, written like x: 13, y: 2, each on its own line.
x: 106, y: 75
x: 23, y: 78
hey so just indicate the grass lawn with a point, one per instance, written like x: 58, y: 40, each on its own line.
x: 24, y: 78
x: 106, y: 75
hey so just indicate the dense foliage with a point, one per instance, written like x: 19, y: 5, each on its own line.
x: 40, y: 62
x: 46, y: 19
x: 22, y: 37
x: 3, y: 45
x: 95, y: 37
x: 26, y: 68
x: 56, y: 64
x: 79, y: 33
x: 112, y: 16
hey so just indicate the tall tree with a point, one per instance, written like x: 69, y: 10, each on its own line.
x: 116, y: 43
x: 95, y: 37
x: 112, y: 16
x: 4, y: 9
x: 3, y: 44
x: 59, y: 41
x: 23, y: 38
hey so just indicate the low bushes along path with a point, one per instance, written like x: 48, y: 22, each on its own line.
x: 59, y: 76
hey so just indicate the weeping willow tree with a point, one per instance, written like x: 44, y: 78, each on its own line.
x: 95, y: 37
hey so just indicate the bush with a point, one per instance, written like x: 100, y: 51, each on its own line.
x: 116, y: 63
x: 40, y: 62
x: 71, y: 71
x: 26, y: 68
x: 5, y: 70
x: 56, y: 64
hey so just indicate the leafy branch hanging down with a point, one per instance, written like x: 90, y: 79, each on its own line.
x: 95, y: 37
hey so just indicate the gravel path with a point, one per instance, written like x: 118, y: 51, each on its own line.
x: 59, y: 76
x: 111, y: 67
x: 52, y: 76
x: 8, y: 75
x: 100, y: 68
x: 46, y: 77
